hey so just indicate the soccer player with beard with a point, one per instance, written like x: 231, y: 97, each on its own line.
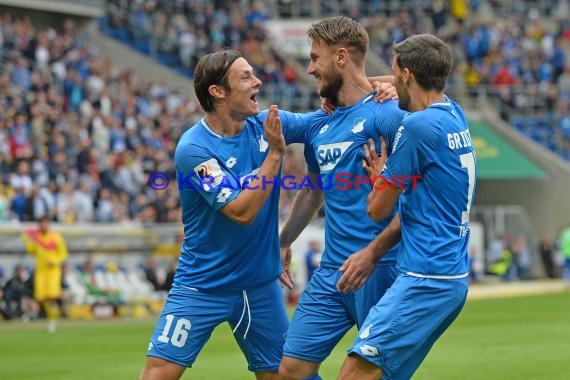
x: 333, y: 152
x: 433, y: 142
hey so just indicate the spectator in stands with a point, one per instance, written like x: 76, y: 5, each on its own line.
x: 151, y: 275
x: 103, y: 295
x: 4, y: 309
x: 18, y: 295
x: 565, y: 250
x: 522, y: 258
x: 546, y: 251
x: 4, y: 203
x: 500, y: 257
x: 50, y: 251
x: 313, y: 258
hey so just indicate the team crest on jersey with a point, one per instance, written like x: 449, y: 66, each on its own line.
x: 329, y: 154
x: 209, y: 173
x: 263, y: 145
x: 358, y: 125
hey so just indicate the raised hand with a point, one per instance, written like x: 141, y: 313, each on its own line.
x: 372, y: 163
x: 384, y: 91
x: 273, y: 132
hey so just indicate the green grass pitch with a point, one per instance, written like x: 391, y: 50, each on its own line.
x: 515, y: 338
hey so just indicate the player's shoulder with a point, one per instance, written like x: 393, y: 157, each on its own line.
x: 421, y: 125
x: 387, y: 112
x: 195, y: 141
x: 387, y: 106
x: 319, y: 123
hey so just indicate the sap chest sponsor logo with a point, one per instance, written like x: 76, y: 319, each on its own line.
x: 330, y: 154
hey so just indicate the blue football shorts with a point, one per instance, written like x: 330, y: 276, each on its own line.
x: 256, y: 316
x: 401, y: 329
x: 324, y: 314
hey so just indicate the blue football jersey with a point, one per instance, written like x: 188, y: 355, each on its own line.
x: 218, y: 254
x: 335, y: 150
x: 435, y: 144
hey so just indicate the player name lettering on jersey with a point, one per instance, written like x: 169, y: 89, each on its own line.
x: 457, y: 140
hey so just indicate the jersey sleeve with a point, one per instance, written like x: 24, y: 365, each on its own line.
x: 413, y: 146
x: 310, y: 159
x: 295, y: 125
x: 199, y: 170
x: 387, y: 121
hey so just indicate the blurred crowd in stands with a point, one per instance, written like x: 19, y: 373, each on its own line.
x: 101, y: 285
x: 78, y: 138
x: 178, y: 33
x: 515, y: 52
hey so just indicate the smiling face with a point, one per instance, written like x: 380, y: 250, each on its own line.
x: 243, y: 86
x: 404, y: 100
x: 323, y: 67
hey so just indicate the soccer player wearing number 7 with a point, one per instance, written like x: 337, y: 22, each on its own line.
x: 431, y: 289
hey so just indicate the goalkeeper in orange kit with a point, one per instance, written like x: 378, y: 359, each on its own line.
x: 50, y: 251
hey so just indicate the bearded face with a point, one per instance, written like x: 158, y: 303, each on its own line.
x: 404, y: 100
x: 330, y: 84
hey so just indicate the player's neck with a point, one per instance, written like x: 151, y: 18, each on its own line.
x: 223, y: 123
x: 423, y: 99
x: 355, y: 86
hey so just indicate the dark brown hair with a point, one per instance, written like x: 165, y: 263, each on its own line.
x: 427, y: 57
x: 213, y: 69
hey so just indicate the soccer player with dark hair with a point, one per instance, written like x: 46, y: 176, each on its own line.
x: 429, y: 293
x: 228, y: 168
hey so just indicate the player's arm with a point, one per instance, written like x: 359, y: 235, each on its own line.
x: 306, y: 204
x: 384, y: 195
x: 29, y: 244
x: 62, y: 253
x: 244, y: 208
x: 295, y: 125
x: 359, y: 266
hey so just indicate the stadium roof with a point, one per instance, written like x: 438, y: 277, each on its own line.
x: 498, y: 159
